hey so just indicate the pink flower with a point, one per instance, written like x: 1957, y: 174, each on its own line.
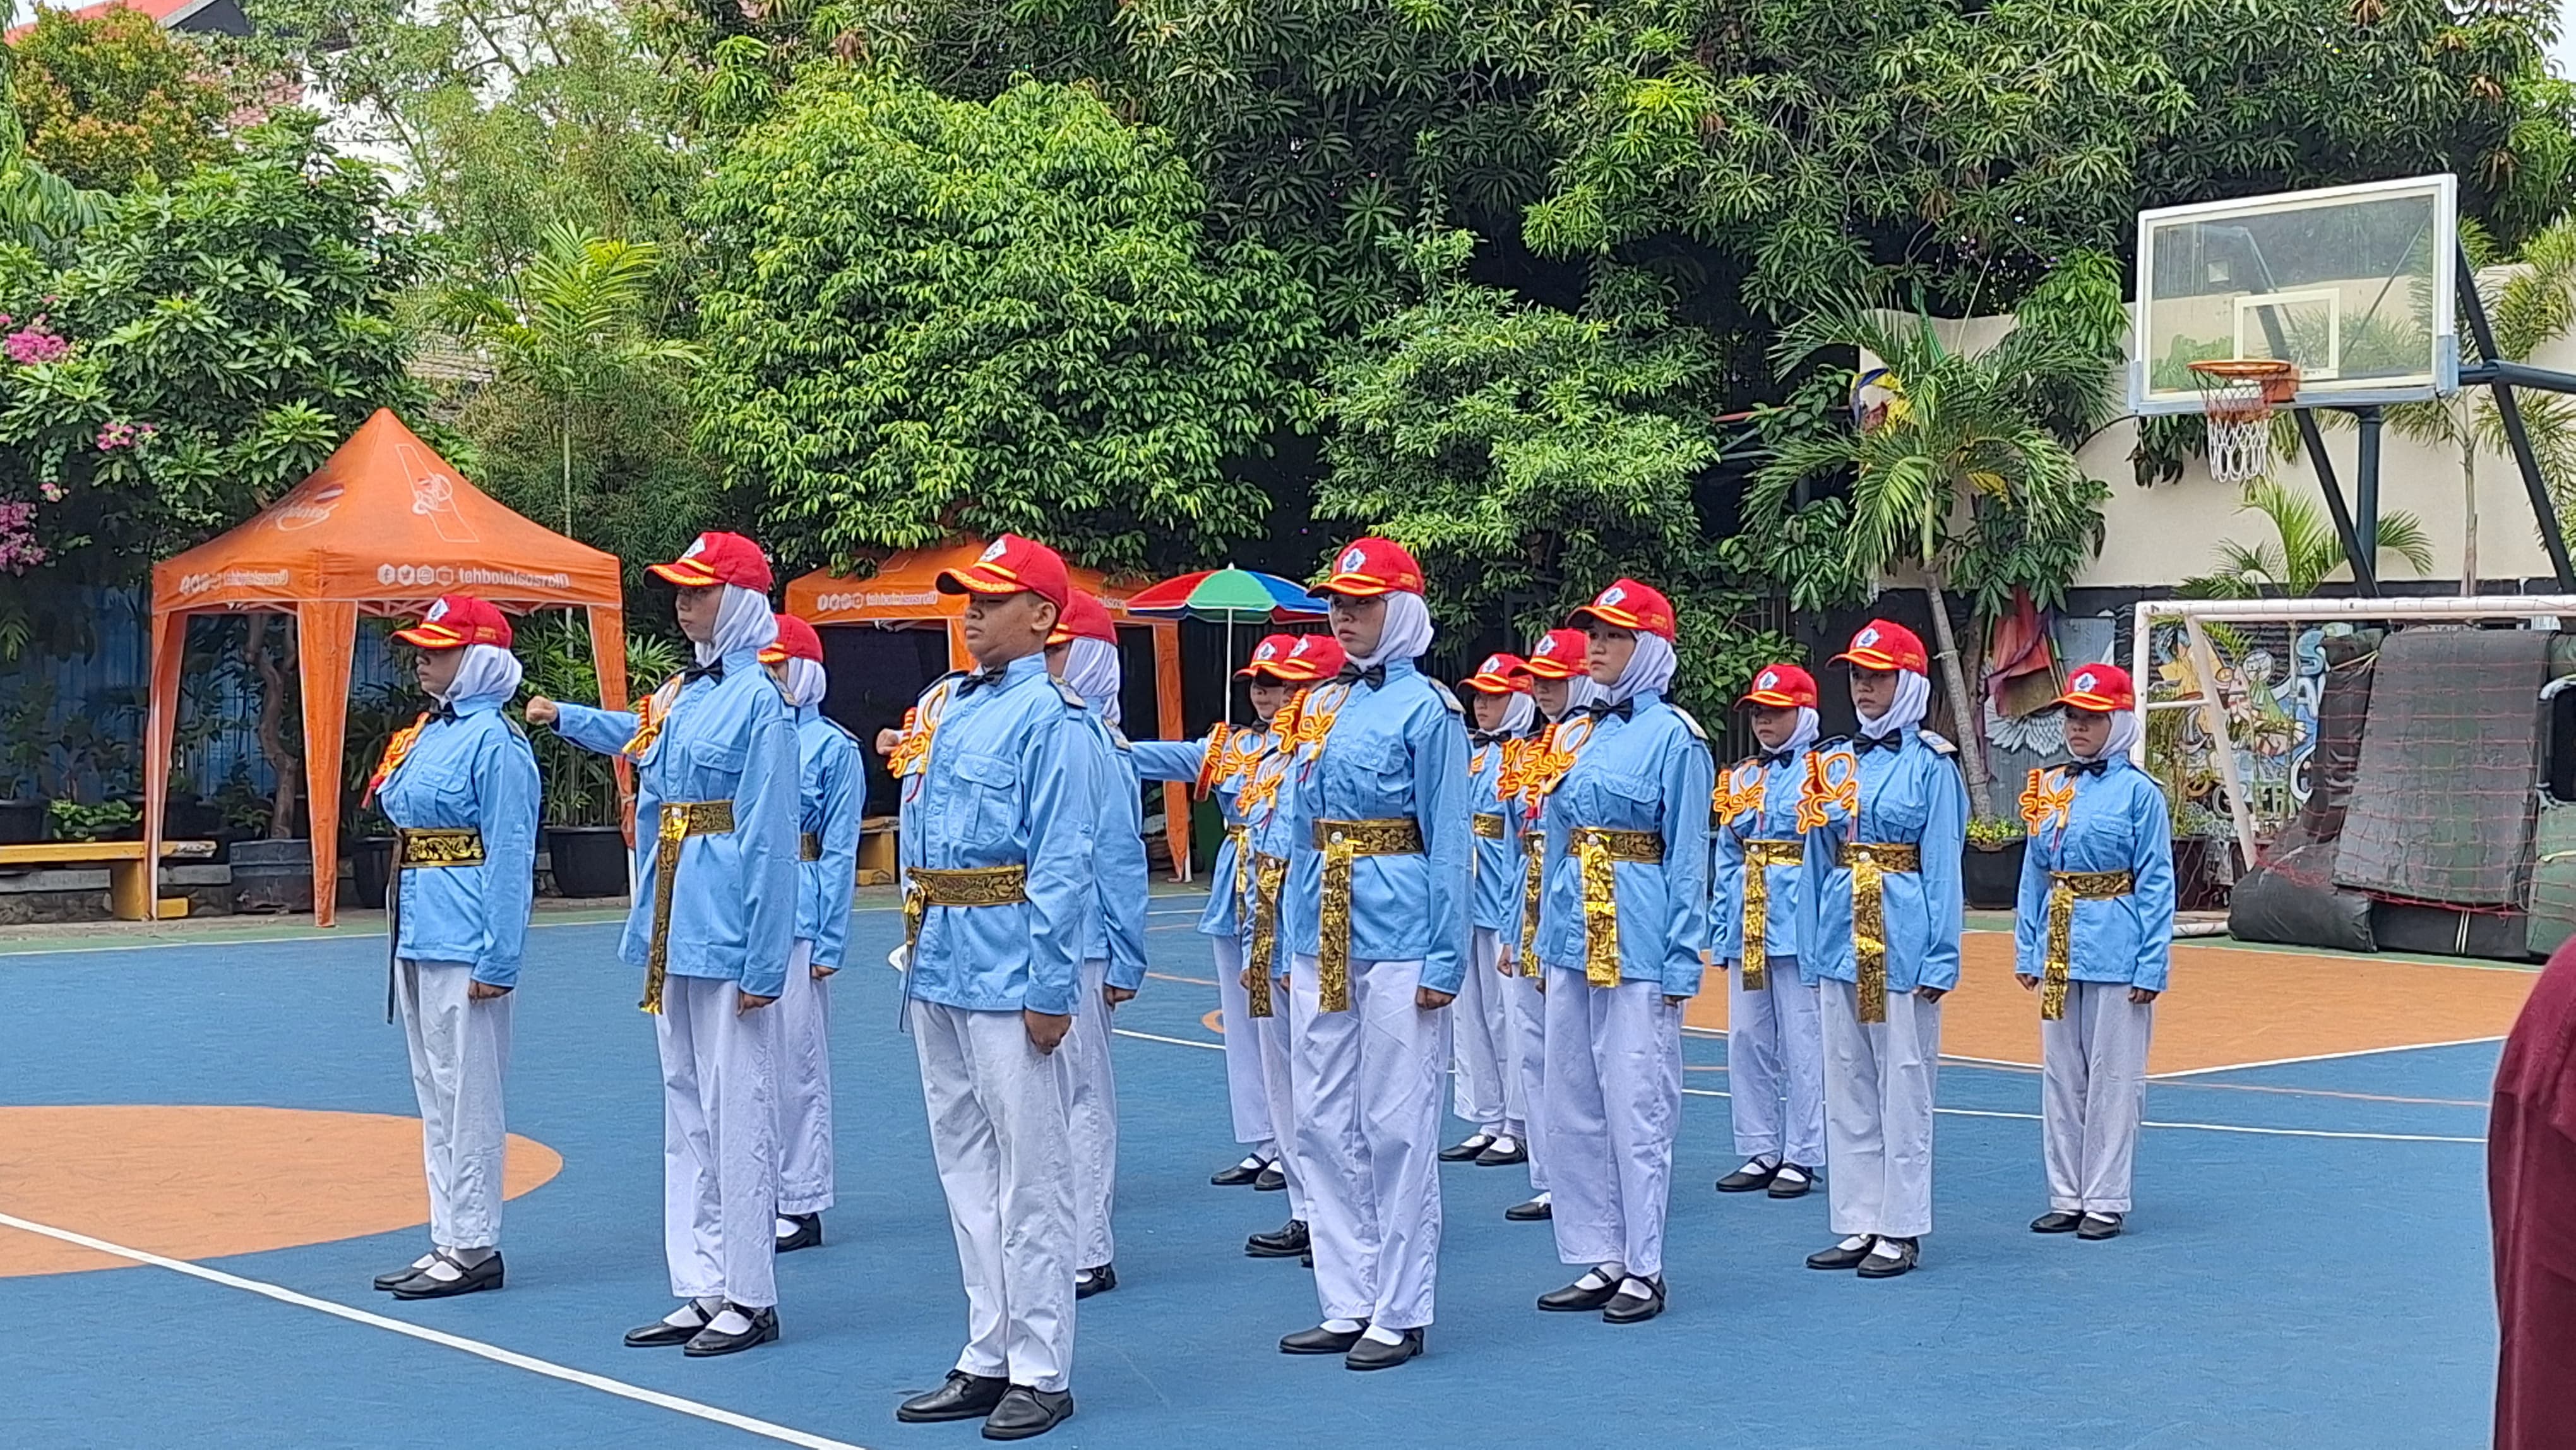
x: 19, y: 550
x: 32, y: 344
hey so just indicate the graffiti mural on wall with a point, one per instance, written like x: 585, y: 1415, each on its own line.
x: 2269, y: 679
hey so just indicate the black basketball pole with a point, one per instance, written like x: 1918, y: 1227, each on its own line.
x: 2365, y: 487
x: 2365, y: 574
x: 2517, y: 436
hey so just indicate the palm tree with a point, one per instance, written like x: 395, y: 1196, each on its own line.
x: 572, y: 328
x: 2302, y: 551
x: 1962, y: 429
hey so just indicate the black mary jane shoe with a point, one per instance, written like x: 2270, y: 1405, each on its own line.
x: 1100, y: 1280
x: 1784, y: 1186
x: 1025, y: 1413
x: 1576, y: 1298
x: 2056, y: 1221
x: 663, y: 1334
x: 2100, y: 1226
x: 385, y: 1282
x: 1320, y: 1340
x: 1372, y: 1354
x: 1631, y: 1309
x: 474, y: 1280
x: 962, y: 1396
x: 1537, y: 1210
x: 1273, y: 1179
x: 1467, y: 1151
x: 808, y: 1235
x: 1839, y: 1257
x: 712, y: 1341
x: 1498, y: 1156
x: 1880, y: 1266
x: 1237, y: 1175
x: 1288, y: 1241
x: 1751, y: 1178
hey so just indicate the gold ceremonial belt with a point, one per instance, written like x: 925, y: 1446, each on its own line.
x: 1869, y: 861
x: 433, y: 846
x: 1533, y: 874
x: 1489, y: 827
x: 1269, y: 873
x: 1343, y: 842
x: 1759, y: 855
x: 680, y: 820
x: 964, y: 886
x: 809, y: 847
x: 1598, y: 850
x: 2065, y: 888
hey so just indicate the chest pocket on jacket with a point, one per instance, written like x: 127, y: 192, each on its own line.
x: 714, y: 769
x: 990, y: 806
x: 1896, y: 810
x: 1379, y: 778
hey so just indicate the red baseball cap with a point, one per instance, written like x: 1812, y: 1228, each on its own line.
x: 1782, y: 687
x: 2100, y: 689
x: 1014, y: 565
x: 1316, y: 657
x: 1268, y: 657
x: 1559, y: 656
x: 1372, y: 566
x: 1084, y: 617
x: 717, y: 558
x: 457, y: 620
x: 796, y: 641
x: 1884, y: 646
x: 1627, y: 604
x: 1501, y: 674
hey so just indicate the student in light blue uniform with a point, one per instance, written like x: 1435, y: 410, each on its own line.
x: 831, y: 792
x: 1377, y: 899
x: 1000, y: 856
x: 1775, y: 1046
x: 712, y: 928
x: 460, y: 786
x: 1881, y: 909
x: 1622, y: 933
x: 1221, y: 765
x: 1486, y: 1082
x: 2094, y: 938
x: 1083, y: 653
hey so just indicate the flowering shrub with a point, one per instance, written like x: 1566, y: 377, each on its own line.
x: 33, y: 344
x: 18, y: 547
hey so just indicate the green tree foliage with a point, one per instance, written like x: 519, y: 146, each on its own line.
x: 38, y: 208
x: 925, y: 316
x: 2302, y: 552
x: 1529, y: 456
x: 113, y: 101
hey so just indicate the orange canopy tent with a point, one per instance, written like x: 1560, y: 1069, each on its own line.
x: 383, y: 527
x: 904, y: 594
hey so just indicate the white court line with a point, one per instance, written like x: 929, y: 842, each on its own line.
x: 1175, y: 1041
x: 475, y: 1347
x: 2322, y: 1057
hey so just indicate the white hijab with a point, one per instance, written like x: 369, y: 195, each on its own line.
x: 1805, y: 734
x: 806, y: 682
x: 744, y: 624
x: 2124, y: 737
x: 1649, y: 669
x: 1407, y: 635
x: 1518, y: 714
x: 1092, y: 670
x: 1913, y: 697
x: 1584, y: 691
x: 488, y: 675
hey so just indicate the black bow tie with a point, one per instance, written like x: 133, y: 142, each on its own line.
x: 443, y: 712
x: 711, y: 670
x: 1374, y: 676
x: 1487, y: 737
x: 1625, y: 710
x: 2089, y: 767
x: 1891, y: 742
x: 1779, y: 757
x: 979, y: 680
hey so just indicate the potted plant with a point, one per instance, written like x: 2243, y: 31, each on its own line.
x: 26, y: 735
x: 585, y: 839
x: 1990, y: 869
x: 111, y: 821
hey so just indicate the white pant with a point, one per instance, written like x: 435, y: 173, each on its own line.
x: 1614, y: 1102
x: 1245, y: 1089
x: 999, y: 1110
x: 1279, y: 1088
x: 1775, y: 1066
x: 2093, y: 1088
x: 1368, y: 1121
x: 1879, y: 1083
x: 1529, y: 1064
x: 1485, y: 1086
x: 804, y: 1087
x: 460, y: 1052
x: 719, y: 1142
x: 1093, y: 1122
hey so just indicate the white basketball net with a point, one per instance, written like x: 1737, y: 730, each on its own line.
x: 2240, y: 427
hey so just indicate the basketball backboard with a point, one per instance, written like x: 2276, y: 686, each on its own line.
x: 2354, y: 284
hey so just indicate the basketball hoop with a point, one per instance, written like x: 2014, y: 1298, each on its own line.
x: 2239, y: 395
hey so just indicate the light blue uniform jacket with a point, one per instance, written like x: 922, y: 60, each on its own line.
x: 733, y: 914
x: 1395, y: 750
x: 1911, y: 795
x: 1777, y: 820
x: 1179, y: 760
x: 1651, y: 772
x: 1498, y: 862
x: 2117, y: 822
x: 469, y: 771
x: 832, y: 786
x: 1013, y: 779
x: 1116, y: 931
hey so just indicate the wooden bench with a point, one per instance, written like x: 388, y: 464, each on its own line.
x: 131, y: 888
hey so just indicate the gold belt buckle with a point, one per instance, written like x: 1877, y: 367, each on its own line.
x: 679, y: 821
x: 2065, y: 888
x: 1759, y: 857
x: 1343, y: 842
